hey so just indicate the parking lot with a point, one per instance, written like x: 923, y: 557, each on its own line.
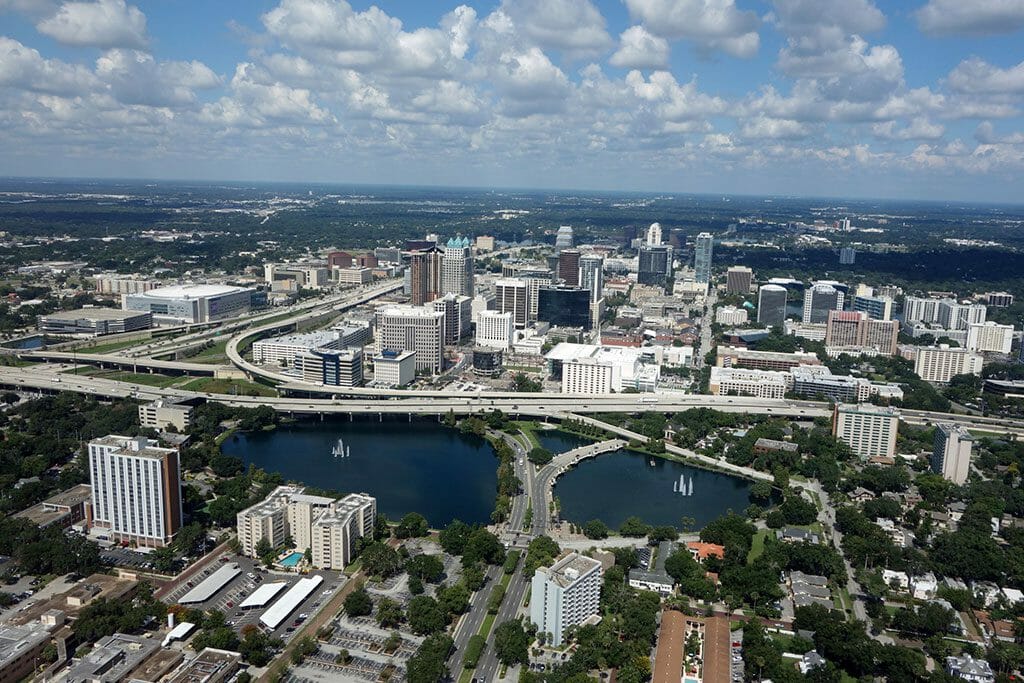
x: 252, y: 576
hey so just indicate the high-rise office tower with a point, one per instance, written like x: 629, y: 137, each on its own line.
x: 847, y: 256
x: 702, y: 257
x: 951, y: 455
x: 136, y: 490
x: 510, y: 296
x: 563, y: 595
x: 854, y: 328
x: 563, y: 239
x: 425, y: 269
x: 458, y: 314
x: 495, y: 330
x: 592, y: 275
x: 534, y: 279
x: 877, y: 307
x: 654, y: 264
x: 771, y: 305
x: 654, y: 234
x: 738, y: 280
x: 412, y: 328
x: 569, y: 267
x: 819, y: 299
x: 457, y: 267
x: 564, y: 306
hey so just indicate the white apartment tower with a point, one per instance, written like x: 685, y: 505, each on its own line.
x: 990, y: 336
x: 868, y: 430
x: 941, y: 363
x: 335, y: 532
x: 495, y: 330
x: 951, y: 456
x: 413, y: 328
x: 136, y: 490
x: 565, y: 594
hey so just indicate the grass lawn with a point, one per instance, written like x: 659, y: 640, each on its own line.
x: 485, y: 628
x: 110, y: 347
x: 466, y: 676
x: 757, y: 545
x: 522, y: 368
x: 213, y: 385
x: 214, y: 355
x: 139, y: 378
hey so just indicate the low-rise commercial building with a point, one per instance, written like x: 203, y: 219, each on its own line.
x: 94, y: 322
x: 283, y: 350
x: 738, y: 357
x: 565, y: 594
x: 746, y: 382
x: 21, y: 649
x: 730, y: 315
x: 393, y: 369
x: 62, y: 510
x: 165, y: 413
x: 590, y: 369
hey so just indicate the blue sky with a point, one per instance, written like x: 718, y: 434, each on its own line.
x: 910, y: 98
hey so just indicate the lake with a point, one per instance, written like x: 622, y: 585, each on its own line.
x: 623, y: 484
x: 419, y: 466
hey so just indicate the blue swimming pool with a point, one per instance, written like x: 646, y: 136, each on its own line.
x: 291, y: 560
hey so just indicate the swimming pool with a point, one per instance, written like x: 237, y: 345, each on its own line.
x: 291, y: 560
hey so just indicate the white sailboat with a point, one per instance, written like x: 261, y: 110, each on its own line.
x: 348, y: 451
x: 681, y: 485
x: 675, y: 487
x: 339, y: 448
x: 689, y: 491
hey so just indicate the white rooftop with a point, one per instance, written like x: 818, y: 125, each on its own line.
x: 264, y: 594
x: 192, y: 291
x: 211, y: 584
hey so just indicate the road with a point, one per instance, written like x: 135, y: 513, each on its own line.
x: 544, y: 480
x: 471, y: 622
x: 488, y: 666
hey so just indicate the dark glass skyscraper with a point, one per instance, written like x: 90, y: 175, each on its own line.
x: 564, y: 306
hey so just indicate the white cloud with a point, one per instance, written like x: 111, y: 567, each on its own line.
x: 712, y: 25
x: 762, y: 127
x: 918, y: 129
x: 573, y: 26
x: 104, y: 23
x: 973, y: 17
x: 258, y: 101
x: 530, y: 83
x: 976, y: 76
x: 674, y: 102
x: 24, y: 68
x: 639, y: 49
x: 136, y: 78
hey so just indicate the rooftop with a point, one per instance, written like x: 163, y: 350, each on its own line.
x: 193, y: 291
x: 570, y: 568
x: 92, y: 314
x: 138, y: 446
x: 16, y: 639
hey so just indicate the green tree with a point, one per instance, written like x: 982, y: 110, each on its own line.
x: 426, y: 616
x: 453, y: 537
x: 413, y: 525
x: 511, y: 643
x: 358, y: 603
x: 426, y: 567
x: 540, y: 456
x: 595, y: 529
x: 454, y: 599
x: 380, y: 560
x: 634, y: 527
x: 389, y: 613
x: 428, y: 664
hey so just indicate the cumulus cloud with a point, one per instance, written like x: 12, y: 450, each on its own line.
x: 256, y: 100
x: 24, y: 68
x: 135, y: 77
x: 573, y: 26
x: 712, y: 25
x: 104, y: 23
x: 639, y: 49
x: 976, y: 76
x: 977, y: 17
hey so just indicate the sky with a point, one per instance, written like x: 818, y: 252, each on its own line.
x: 915, y: 99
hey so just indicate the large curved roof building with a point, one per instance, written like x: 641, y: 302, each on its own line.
x: 192, y: 303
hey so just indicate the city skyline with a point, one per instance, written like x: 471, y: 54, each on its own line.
x: 847, y: 99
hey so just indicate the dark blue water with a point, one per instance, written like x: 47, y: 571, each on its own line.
x: 418, y: 466
x: 33, y: 342
x: 623, y: 484
x: 558, y: 441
